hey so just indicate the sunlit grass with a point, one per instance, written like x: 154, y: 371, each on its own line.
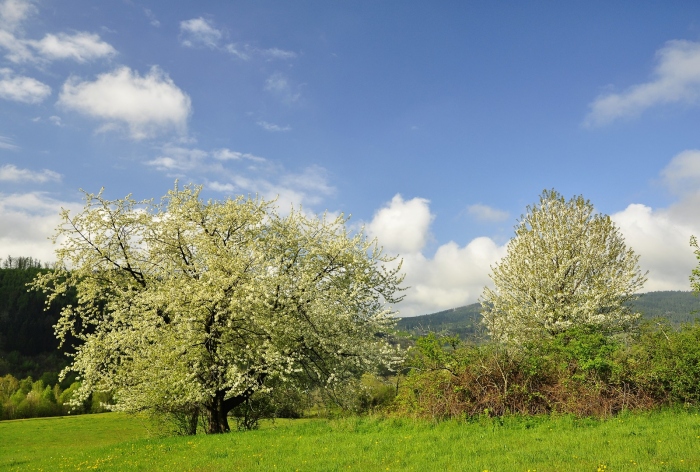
x: 667, y: 440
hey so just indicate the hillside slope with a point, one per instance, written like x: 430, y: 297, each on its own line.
x: 678, y: 307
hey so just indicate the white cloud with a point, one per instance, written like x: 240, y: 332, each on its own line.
x: 279, y: 85
x: 662, y: 243
x: 312, y: 181
x: 241, y: 52
x: 290, y: 190
x: 6, y: 143
x: 29, y: 220
x: 454, y: 276
x: 682, y: 174
x: 17, y: 49
x: 152, y: 17
x: 199, y: 32
x: 275, y: 53
x: 228, y: 155
x: 176, y: 158
x: 486, y: 213
x: 147, y: 105
x: 676, y: 79
x: 402, y: 226
x: 246, y: 52
x: 11, y: 173
x: 223, y: 188
x: 273, y: 127
x: 21, y: 88
x: 661, y: 236
x: 235, y: 172
x: 14, y: 12
x: 80, y: 47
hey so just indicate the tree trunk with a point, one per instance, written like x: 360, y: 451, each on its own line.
x: 219, y: 406
x: 218, y: 415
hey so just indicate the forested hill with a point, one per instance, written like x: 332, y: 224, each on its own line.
x: 678, y: 307
x: 28, y: 345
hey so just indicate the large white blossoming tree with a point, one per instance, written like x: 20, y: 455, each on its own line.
x: 566, y: 267
x: 191, y: 305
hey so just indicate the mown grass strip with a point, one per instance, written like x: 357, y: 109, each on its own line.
x: 663, y: 441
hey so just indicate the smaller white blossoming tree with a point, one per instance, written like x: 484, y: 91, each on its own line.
x: 193, y: 306
x: 566, y: 267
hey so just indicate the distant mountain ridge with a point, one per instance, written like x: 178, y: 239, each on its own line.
x: 677, y: 306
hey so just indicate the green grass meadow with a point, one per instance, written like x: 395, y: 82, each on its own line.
x: 664, y: 441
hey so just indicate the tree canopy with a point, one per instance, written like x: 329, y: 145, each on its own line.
x: 567, y: 266
x: 192, y: 306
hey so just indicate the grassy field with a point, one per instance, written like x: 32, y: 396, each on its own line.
x: 664, y: 441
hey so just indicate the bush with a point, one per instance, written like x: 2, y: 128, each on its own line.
x: 666, y: 363
x: 580, y: 371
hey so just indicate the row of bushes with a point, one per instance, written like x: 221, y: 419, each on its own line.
x: 581, y: 371
x: 27, y: 398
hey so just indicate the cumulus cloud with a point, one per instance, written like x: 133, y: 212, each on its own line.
x: 199, y: 32
x: 454, y: 276
x: 486, y: 213
x: 273, y: 127
x: 661, y: 235
x: 21, y: 88
x: 80, y: 47
x: 402, y: 226
x: 147, y: 105
x: 29, y: 219
x: 661, y: 241
x: 676, y: 79
x: 11, y: 173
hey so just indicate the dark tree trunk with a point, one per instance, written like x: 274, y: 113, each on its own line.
x: 219, y: 407
x: 193, y: 421
x: 218, y: 415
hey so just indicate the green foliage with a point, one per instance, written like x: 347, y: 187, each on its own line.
x: 566, y: 267
x: 666, y: 362
x: 580, y: 371
x: 25, y: 326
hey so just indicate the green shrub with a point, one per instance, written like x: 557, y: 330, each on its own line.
x: 580, y: 371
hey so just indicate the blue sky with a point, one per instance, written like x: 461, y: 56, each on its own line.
x: 434, y: 124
